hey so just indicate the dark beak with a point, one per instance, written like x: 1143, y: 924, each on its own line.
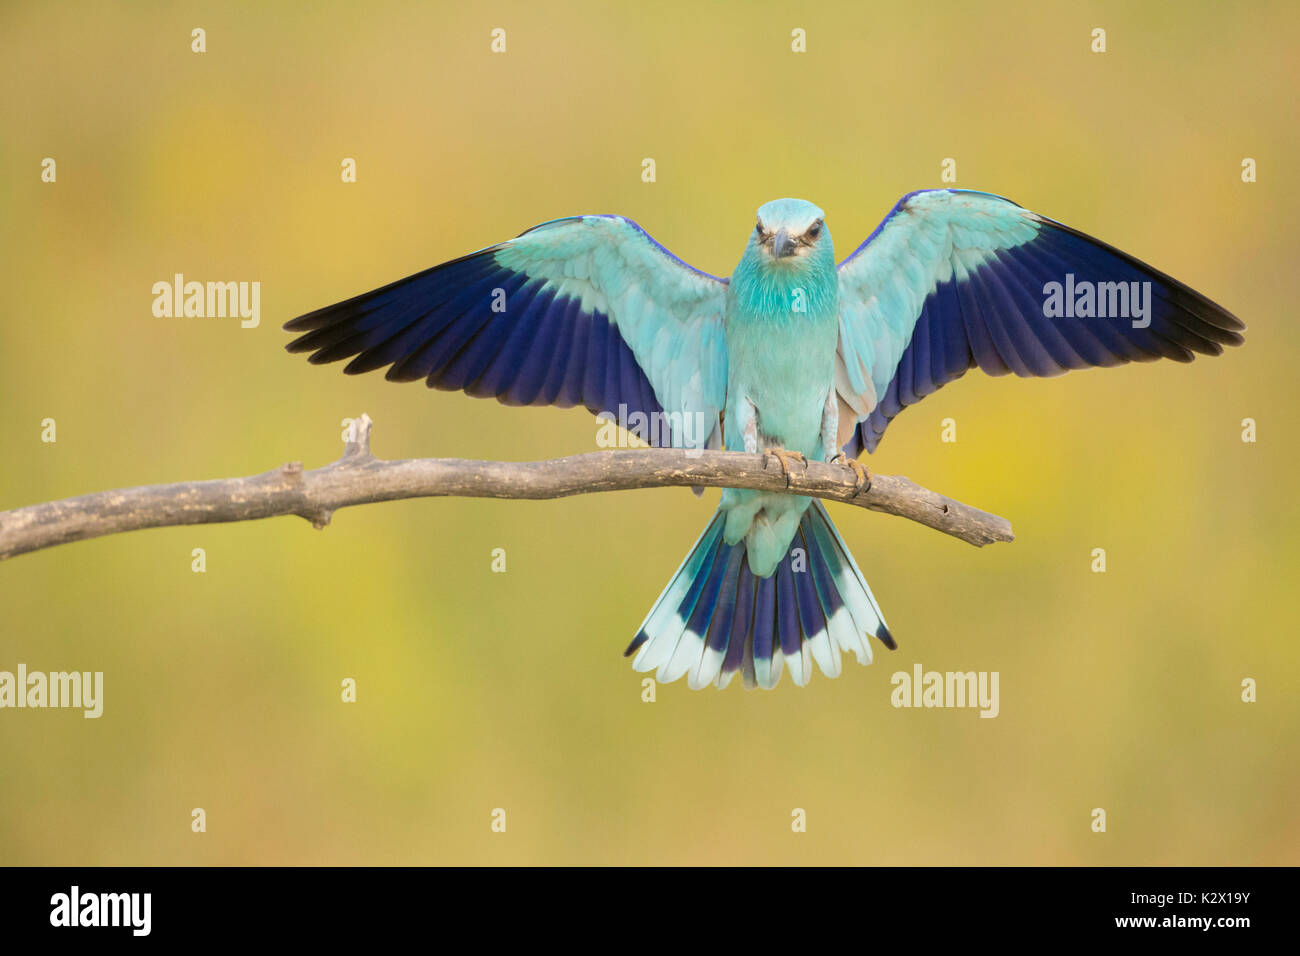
x: 782, y: 245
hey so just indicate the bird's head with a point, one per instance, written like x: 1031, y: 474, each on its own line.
x: 791, y: 233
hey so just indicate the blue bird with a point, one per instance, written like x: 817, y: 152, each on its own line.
x: 793, y: 354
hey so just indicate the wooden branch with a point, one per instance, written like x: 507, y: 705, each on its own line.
x: 359, y: 478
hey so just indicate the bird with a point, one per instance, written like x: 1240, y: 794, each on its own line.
x: 793, y: 355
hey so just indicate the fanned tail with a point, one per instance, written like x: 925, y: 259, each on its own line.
x: 716, y: 617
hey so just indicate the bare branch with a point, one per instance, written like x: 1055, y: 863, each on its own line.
x: 360, y: 478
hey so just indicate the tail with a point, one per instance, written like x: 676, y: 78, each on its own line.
x: 716, y: 617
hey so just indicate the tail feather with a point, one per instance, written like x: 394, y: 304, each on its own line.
x: 716, y: 640
x: 861, y: 602
x: 667, y: 617
x: 716, y: 617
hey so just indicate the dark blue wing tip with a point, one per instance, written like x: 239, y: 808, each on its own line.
x: 886, y: 638
x: 306, y: 324
x: 1205, y: 308
x: 641, y: 638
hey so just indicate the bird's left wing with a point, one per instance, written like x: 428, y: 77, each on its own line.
x: 587, y: 310
x: 954, y: 279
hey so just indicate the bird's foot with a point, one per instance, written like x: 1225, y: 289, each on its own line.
x: 784, y: 456
x: 863, y: 473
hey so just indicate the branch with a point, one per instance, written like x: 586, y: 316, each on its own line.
x: 359, y: 478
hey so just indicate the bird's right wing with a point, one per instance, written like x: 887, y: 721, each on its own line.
x: 587, y: 310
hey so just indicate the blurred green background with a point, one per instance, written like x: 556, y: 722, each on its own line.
x: 480, y: 690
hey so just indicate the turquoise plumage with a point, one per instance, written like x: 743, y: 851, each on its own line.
x: 792, y: 354
x: 782, y: 323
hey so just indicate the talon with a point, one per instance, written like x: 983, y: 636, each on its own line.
x: 783, y: 456
x: 863, y: 473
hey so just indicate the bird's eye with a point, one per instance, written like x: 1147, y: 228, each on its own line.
x: 814, y: 230
x: 758, y: 229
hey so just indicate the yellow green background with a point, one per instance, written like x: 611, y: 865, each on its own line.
x: 479, y: 690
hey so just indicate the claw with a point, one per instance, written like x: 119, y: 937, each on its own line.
x: 783, y: 456
x: 862, y: 471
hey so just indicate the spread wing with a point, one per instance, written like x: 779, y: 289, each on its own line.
x: 587, y: 310
x: 954, y: 279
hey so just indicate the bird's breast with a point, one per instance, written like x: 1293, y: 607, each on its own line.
x: 782, y: 365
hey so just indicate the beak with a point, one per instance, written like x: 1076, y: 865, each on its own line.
x: 782, y: 245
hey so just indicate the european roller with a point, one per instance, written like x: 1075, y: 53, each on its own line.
x: 792, y: 354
